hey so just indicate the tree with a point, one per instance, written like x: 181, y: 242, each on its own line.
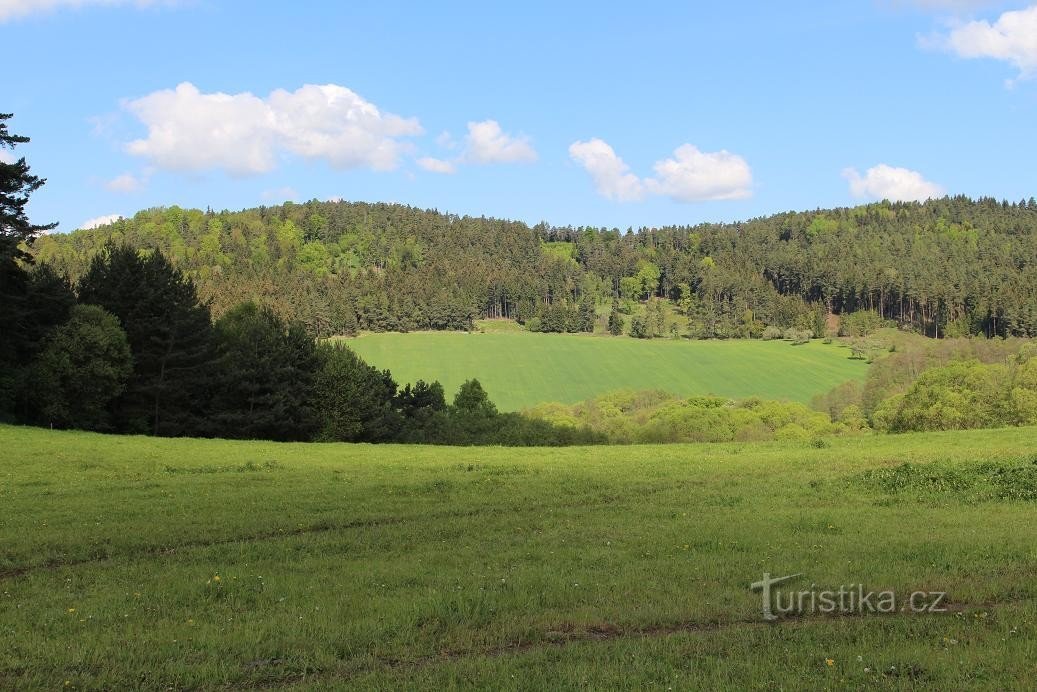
x: 354, y: 401
x: 16, y: 185
x: 170, y: 336
x: 615, y: 319
x: 44, y: 302
x: 472, y: 400
x: 19, y: 325
x: 264, y: 379
x: 84, y: 365
x: 422, y: 407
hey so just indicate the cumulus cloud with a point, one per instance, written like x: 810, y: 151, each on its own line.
x: 1012, y: 39
x: 434, y: 165
x: 244, y: 134
x: 689, y: 175
x: 487, y: 143
x: 694, y: 176
x: 14, y: 9
x: 100, y: 221
x: 894, y: 184
x: 612, y: 177
x: 126, y: 183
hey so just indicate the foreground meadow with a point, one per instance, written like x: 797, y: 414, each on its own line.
x: 155, y: 563
x: 522, y: 369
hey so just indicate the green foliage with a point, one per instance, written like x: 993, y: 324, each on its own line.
x: 355, y: 402
x: 27, y: 308
x: 862, y: 323
x: 472, y: 400
x: 959, y: 396
x: 16, y: 186
x: 83, y: 366
x: 170, y: 336
x: 626, y: 417
x: 263, y: 383
x: 615, y: 319
x: 947, y: 266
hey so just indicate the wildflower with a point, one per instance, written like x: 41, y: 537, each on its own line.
x: 71, y: 610
x: 829, y: 662
x: 216, y: 578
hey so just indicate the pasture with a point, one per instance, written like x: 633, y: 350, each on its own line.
x: 522, y: 369
x: 178, y: 563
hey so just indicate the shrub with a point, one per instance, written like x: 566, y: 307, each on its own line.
x: 771, y: 333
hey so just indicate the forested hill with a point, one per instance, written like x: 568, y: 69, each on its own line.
x: 952, y: 265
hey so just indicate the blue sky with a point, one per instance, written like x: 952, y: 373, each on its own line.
x: 649, y: 114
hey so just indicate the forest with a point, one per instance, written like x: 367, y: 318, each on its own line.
x: 947, y: 267
x: 188, y: 323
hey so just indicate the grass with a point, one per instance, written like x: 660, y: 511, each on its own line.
x: 523, y: 369
x: 151, y: 563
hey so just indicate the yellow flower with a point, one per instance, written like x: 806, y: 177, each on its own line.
x: 71, y: 610
x: 216, y: 578
x: 829, y: 662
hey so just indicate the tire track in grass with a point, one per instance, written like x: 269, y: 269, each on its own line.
x: 316, y: 529
x: 596, y: 633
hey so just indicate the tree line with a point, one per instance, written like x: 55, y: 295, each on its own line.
x: 947, y: 267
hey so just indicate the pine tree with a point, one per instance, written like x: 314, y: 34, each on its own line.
x: 615, y: 319
x: 263, y: 380
x: 170, y: 336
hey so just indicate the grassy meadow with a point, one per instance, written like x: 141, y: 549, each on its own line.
x: 178, y: 563
x: 522, y: 369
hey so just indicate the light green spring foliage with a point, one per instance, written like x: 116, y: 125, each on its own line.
x: 146, y: 563
x: 629, y: 417
x: 965, y: 395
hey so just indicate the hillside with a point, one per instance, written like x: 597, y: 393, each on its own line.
x: 952, y: 266
x: 521, y: 370
x: 155, y: 563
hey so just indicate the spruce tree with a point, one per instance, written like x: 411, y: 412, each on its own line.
x: 170, y: 336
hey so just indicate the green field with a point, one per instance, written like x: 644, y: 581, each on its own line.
x: 523, y: 369
x: 156, y: 563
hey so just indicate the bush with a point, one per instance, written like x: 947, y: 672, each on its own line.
x: 860, y: 323
x: 771, y: 333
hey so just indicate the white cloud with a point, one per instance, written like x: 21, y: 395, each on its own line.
x: 243, y: 134
x: 14, y: 9
x: 6, y: 156
x: 694, y: 176
x: 689, y: 176
x: 487, y: 143
x: 281, y: 194
x: 434, y: 165
x: 1012, y: 38
x: 612, y: 177
x: 894, y: 184
x: 126, y: 183
x: 100, y: 221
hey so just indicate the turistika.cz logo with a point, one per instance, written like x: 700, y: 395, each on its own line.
x: 853, y: 599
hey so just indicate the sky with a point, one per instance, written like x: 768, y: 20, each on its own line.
x: 604, y: 114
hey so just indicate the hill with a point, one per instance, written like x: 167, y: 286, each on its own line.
x: 952, y: 266
x: 521, y: 369
x: 156, y: 563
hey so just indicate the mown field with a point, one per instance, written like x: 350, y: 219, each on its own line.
x: 521, y: 369
x: 157, y: 563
